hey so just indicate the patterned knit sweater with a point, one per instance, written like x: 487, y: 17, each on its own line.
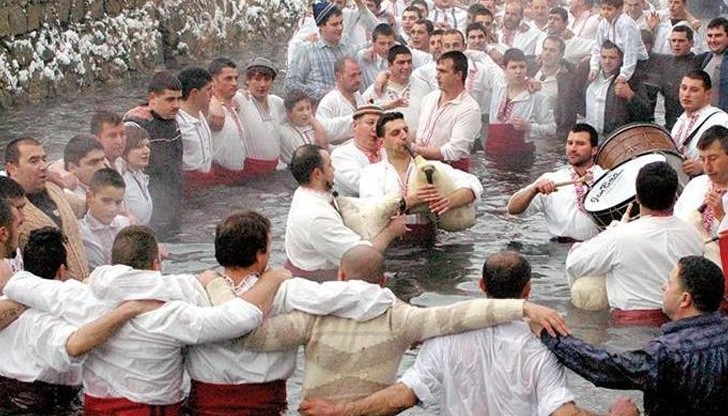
x: 348, y: 360
x: 35, y: 218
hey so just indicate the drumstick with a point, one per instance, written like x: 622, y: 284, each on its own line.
x: 625, y: 216
x: 586, y: 178
x: 712, y: 240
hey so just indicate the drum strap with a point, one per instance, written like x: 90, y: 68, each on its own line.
x: 697, y: 129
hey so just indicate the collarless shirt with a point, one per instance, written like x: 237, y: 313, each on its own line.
x: 684, y: 127
x: 98, y: 238
x: 316, y: 237
x: 503, y: 370
x: 262, y: 137
x: 636, y: 258
x: 196, y: 141
x: 561, y: 209
x: 452, y: 127
x: 334, y: 112
x: 349, y: 161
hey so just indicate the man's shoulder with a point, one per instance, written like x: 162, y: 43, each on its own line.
x: 139, y: 113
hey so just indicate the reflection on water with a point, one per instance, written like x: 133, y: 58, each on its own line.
x: 440, y: 274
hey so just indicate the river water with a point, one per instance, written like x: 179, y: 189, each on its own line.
x: 437, y: 275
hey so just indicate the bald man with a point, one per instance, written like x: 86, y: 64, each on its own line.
x: 348, y: 360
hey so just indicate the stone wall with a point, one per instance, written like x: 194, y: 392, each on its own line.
x: 48, y: 47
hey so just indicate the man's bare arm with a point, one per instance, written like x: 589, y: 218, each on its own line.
x: 97, y: 332
x: 389, y: 401
x: 9, y: 312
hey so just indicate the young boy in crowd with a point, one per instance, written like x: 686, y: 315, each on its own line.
x: 102, y: 221
x: 300, y: 126
x: 82, y: 157
x: 619, y: 28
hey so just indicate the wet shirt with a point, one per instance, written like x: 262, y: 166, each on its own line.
x: 682, y: 372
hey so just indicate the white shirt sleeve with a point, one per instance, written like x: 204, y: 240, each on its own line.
x: 334, y: 238
x: 353, y: 299
x: 192, y: 324
x: 48, y: 339
x: 425, y: 375
x: 346, y: 171
x: 551, y: 390
x: 593, y: 257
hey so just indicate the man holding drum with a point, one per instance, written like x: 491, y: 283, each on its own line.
x: 699, y: 116
x: 565, y: 216
x: 637, y: 257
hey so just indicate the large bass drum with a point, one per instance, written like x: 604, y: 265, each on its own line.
x: 611, y: 194
x: 636, y: 139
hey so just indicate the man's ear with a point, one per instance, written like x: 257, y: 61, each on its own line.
x: 481, y: 284
x: 156, y: 264
x: 11, y: 169
x: 341, y: 276
x: 61, y: 273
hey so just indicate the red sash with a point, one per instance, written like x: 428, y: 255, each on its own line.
x: 225, y: 176
x: 94, y: 406
x: 196, y: 181
x: 255, y: 167
x: 252, y: 399
x: 504, y: 139
x: 723, y: 246
x: 462, y: 164
x: 315, y: 275
x: 639, y: 317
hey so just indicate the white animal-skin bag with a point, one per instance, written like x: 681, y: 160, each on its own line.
x: 367, y: 217
x: 430, y: 172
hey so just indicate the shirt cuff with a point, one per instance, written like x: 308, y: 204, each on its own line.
x: 412, y: 380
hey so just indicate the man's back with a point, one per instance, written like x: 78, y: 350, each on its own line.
x: 348, y: 360
x: 503, y: 370
x: 636, y: 258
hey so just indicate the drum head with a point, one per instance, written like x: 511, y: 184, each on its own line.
x: 617, y: 187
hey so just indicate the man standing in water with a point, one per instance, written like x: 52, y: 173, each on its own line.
x: 566, y: 218
x: 165, y: 172
x: 316, y: 236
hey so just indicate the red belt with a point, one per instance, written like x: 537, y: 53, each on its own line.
x: 315, y: 275
x: 196, y: 181
x: 503, y: 139
x: 225, y: 176
x: 254, y: 167
x: 250, y: 399
x: 462, y: 164
x: 639, y: 317
x: 36, y: 397
x: 95, y: 406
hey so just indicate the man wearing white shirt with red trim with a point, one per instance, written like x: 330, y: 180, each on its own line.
x: 393, y: 174
x: 637, y: 257
x: 450, y: 117
x: 564, y: 212
x: 364, y: 149
x: 260, y: 112
x: 196, y: 135
x: 699, y: 116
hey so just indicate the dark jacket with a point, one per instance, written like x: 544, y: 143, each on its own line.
x: 723, y: 81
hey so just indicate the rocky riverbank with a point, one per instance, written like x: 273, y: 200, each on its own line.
x: 51, y: 47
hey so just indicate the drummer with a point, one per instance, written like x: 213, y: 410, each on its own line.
x: 699, y: 116
x: 636, y: 257
x: 566, y: 218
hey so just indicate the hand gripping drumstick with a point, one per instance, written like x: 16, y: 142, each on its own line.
x: 586, y: 178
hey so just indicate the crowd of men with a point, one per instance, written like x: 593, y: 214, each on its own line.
x: 372, y: 88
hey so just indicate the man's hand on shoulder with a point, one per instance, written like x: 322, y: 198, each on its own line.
x: 321, y: 407
x: 542, y: 317
x: 624, y: 406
